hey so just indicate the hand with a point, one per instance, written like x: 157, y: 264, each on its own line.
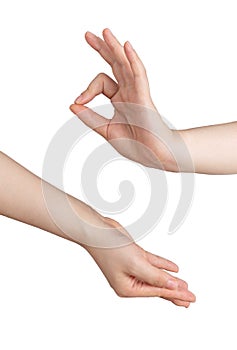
x: 129, y: 269
x: 136, y: 129
x: 134, y: 272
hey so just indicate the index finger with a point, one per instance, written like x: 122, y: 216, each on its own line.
x: 100, y: 46
x: 113, y: 53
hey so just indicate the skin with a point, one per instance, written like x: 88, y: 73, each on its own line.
x: 130, y: 270
x: 208, y: 149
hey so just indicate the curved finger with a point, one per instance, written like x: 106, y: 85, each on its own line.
x: 162, y: 263
x: 156, y: 277
x: 102, y: 84
x: 180, y: 302
x: 178, y: 296
x: 92, y: 119
x: 137, y: 66
x: 100, y: 46
x: 120, y: 66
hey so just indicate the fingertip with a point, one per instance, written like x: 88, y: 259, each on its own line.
x: 72, y: 108
x: 76, y: 109
x: 192, y: 298
x: 128, y: 46
x: 172, y: 266
x: 183, y: 304
x: 106, y: 31
x: 176, y: 268
x: 108, y: 34
x: 88, y: 33
x: 128, y: 50
x: 79, y: 99
x: 186, y: 305
x: 89, y: 37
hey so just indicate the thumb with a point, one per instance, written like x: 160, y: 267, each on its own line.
x: 92, y: 119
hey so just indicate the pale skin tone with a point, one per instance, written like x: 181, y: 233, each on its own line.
x: 130, y: 270
x: 211, y: 149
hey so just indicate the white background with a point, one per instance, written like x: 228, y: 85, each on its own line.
x: 52, y: 295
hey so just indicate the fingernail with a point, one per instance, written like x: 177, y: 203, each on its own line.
x: 130, y: 45
x: 172, y: 284
x: 89, y: 33
x: 79, y: 98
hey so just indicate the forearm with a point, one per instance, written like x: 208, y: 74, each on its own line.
x: 213, y: 149
x: 22, y: 199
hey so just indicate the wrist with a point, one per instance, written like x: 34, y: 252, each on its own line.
x: 107, y: 234
x: 165, y: 150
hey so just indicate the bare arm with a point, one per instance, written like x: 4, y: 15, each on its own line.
x: 213, y: 149
x: 22, y: 199
x: 137, y: 130
x: 130, y: 270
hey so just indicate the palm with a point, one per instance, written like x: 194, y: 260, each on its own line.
x: 134, y: 272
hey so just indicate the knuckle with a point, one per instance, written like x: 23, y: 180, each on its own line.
x: 122, y: 292
x: 134, y: 266
x: 101, y: 76
x: 137, y: 75
x: 119, y: 63
x: 141, y: 73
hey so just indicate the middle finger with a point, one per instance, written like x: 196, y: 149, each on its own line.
x: 121, y: 64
